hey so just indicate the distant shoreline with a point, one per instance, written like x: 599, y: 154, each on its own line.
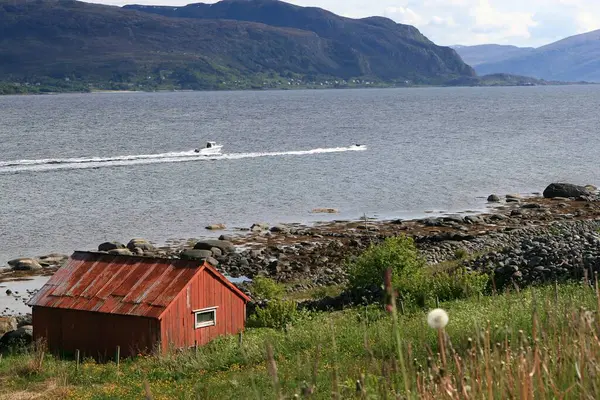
x: 121, y: 91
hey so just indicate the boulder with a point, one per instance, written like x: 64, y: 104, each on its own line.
x: 53, y: 259
x: 25, y: 264
x: 431, y: 222
x: 531, y: 205
x: 216, y: 227
x: 212, y: 261
x: 23, y: 320
x: 7, y: 324
x: 259, y: 227
x: 474, y: 219
x: 216, y: 252
x: 226, y: 238
x: 120, y: 252
x: 493, y: 198
x: 107, y: 246
x: 513, y: 197
x: 225, y: 246
x: 195, y: 254
x: 279, y: 229
x: 565, y: 190
x: 141, y: 244
x: 325, y: 211
x: 19, y: 337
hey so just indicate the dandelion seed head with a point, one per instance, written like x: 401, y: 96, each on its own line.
x: 437, y: 319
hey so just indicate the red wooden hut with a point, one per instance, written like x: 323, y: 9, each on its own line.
x: 99, y: 301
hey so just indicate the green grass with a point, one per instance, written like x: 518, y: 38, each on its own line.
x: 492, y: 339
x: 315, y: 293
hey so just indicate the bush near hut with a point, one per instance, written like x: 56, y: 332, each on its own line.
x: 277, y: 313
x: 266, y: 288
x: 415, y: 282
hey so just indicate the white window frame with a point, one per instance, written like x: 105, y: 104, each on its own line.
x: 206, y: 323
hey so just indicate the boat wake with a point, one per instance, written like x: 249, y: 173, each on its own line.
x: 53, y: 164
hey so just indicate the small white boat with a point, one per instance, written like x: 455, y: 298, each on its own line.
x: 211, y: 148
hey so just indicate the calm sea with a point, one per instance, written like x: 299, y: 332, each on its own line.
x: 77, y: 170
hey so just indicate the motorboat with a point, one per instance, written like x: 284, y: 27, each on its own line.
x: 211, y: 148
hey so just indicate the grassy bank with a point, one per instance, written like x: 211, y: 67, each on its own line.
x: 542, y: 341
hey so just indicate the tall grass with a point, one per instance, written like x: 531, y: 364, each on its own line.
x: 535, y: 343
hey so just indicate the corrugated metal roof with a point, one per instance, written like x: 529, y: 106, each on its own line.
x: 117, y: 284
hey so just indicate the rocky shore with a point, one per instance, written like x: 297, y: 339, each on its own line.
x: 520, y: 241
x: 527, y: 239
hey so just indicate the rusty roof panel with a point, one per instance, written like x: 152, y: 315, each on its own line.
x: 173, y: 289
x: 154, y: 276
x: 116, y: 284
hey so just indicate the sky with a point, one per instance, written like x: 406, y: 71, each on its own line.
x: 466, y: 22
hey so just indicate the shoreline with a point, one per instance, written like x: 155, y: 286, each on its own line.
x: 309, y: 220
x: 258, y: 245
x: 107, y: 91
x: 305, y: 258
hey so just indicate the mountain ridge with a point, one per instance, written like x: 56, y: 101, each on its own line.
x: 486, y: 53
x: 574, y: 59
x: 371, y: 36
x: 112, y: 47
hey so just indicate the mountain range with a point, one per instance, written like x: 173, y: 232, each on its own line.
x: 249, y: 43
x: 576, y: 58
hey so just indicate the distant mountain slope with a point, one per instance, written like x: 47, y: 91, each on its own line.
x: 376, y: 46
x: 489, y: 53
x: 68, y: 40
x: 576, y: 58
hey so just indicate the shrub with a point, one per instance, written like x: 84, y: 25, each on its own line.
x: 460, y: 254
x: 415, y: 283
x: 399, y: 254
x: 266, y: 288
x: 457, y: 284
x: 276, y: 314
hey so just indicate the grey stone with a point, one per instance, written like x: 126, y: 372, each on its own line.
x: 257, y: 227
x: 565, y: 190
x: 25, y: 264
x: 107, y: 246
x: 195, y: 254
x: 120, y: 252
x: 225, y: 246
x: 216, y: 227
x: 53, y: 259
x: 141, y: 244
x: 212, y: 261
x: 279, y: 229
x: 216, y: 251
x: 531, y: 205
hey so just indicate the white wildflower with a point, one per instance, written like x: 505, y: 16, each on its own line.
x: 437, y: 319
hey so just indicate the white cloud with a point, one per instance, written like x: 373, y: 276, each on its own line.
x: 404, y: 15
x: 447, y: 22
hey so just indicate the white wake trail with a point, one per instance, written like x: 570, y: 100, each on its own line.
x: 56, y: 164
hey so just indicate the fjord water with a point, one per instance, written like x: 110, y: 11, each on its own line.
x: 428, y: 149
